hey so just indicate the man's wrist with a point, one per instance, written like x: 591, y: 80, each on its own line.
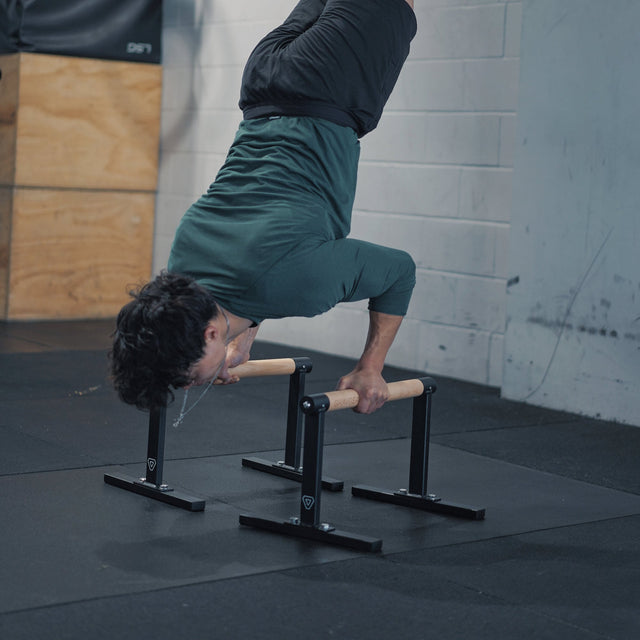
x: 367, y: 366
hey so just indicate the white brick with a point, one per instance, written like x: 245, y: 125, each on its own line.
x: 176, y: 87
x: 399, y: 232
x: 496, y: 359
x: 485, y: 194
x: 187, y: 174
x: 169, y: 211
x: 459, y: 300
x: 341, y: 330
x: 179, y: 46
x: 457, y: 3
x: 456, y: 85
x: 438, y: 244
x: 219, y: 44
x: 161, y: 249
x: 508, y: 125
x: 198, y: 131
x: 434, y: 297
x: 443, y: 139
x: 408, y: 189
x: 453, y: 352
x: 170, y: 13
x: 215, y: 87
x: 224, y: 11
x: 459, y: 32
x: 164, y: 175
x: 219, y: 87
x: 458, y: 246
x: 191, y: 13
x: 513, y: 29
x: 214, y: 130
x: 175, y: 173
x: 429, y: 85
x: 207, y: 170
x: 480, y: 303
x: 464, y: 139
x: 405, y: 352
x: 177, y: 129
x: 501, y: 262
x: 491, y: 85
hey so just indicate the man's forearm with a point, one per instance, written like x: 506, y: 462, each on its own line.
x: 382, y: 332
x: 366, y: 378
x: 243, y: 343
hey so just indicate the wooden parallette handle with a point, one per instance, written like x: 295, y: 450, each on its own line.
x: 275, y: 367
x: 348, y: 399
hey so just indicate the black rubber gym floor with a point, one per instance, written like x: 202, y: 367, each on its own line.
x: 557, y: 556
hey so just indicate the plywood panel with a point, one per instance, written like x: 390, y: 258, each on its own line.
x: 8, y: 116
x: 74, y: 254
x: 6, y: 200
x: 88, y: 123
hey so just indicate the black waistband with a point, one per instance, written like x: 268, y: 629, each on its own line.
x: 307, y: 109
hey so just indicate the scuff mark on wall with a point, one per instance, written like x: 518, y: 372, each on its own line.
x: 563, y: 324
x: 582, y: 328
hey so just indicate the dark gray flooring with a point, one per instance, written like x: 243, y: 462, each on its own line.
x: 558, y: 555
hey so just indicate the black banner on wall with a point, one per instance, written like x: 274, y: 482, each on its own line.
x: 105, y: 29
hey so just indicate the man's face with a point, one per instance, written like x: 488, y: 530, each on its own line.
x: 211, y: 362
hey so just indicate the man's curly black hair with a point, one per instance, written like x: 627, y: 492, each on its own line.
x: 159, y: 335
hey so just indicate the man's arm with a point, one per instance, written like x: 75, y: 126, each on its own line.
x: 238, y: 352
x: 366, y: 378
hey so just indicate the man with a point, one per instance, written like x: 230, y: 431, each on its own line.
x: 268, y: 239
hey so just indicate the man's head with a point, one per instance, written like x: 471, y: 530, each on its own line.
x: 159, y: 336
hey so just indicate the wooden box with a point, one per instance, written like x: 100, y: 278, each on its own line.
x: 78, y: 172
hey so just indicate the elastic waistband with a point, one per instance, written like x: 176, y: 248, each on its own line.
x: 307, y: 109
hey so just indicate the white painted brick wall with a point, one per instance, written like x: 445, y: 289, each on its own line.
x: 435, y: 178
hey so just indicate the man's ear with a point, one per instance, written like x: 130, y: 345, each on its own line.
x: 211, y: 332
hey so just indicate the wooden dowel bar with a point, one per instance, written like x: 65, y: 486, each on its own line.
x: 349, y: 398
x: 274, y: 367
